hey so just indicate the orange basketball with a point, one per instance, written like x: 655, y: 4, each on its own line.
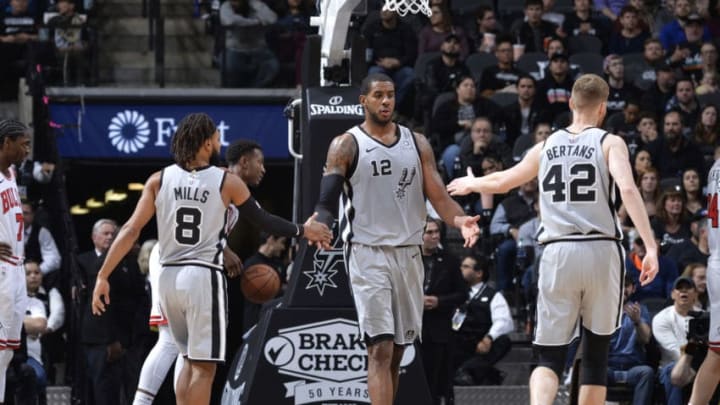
x: 260, y: 283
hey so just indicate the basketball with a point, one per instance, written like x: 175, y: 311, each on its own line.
x: 260, y: 283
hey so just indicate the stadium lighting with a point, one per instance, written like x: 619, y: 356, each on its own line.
x: 113, y: 196
x: 78, y: 210
x: 93, y: 203
x: 136, y: 186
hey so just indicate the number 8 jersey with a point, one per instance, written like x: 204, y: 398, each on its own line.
x: 577, y: 193
x: 191, y: 216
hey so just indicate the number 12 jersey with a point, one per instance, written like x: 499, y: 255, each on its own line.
x: 577, y: 193
x: 191, y: 216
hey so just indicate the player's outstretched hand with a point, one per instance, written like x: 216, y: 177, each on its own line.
x: 233, y: 263
x: 469, y: 228
x: 462, y: 185
x: 649, y: 267
x: 101, y: 296
x: 6, y: 252
x: 317, y: 232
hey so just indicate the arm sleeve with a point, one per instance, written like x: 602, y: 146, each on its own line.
x: 502, y: 322
x: 330, y: 188
x: 269, y: 223
x: 50, y: 254
x: 57, y: 310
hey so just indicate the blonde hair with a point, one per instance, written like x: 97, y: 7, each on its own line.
x: 589, y: 90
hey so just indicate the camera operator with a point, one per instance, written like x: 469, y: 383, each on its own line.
x: 679, y: 356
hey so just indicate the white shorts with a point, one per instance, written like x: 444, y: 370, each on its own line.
x: 13, y: 304
x: 194, y: 300
x: 713, y: 290
x: 387, y: 284
x: 579, y: 280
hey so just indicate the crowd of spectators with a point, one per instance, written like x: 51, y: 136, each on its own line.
x: 483, y: 86
x: 53, y: 34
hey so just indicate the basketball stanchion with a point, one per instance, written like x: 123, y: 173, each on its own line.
x: 306, y: 347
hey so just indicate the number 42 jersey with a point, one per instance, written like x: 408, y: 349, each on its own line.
x: 191, y: 216
x: 577, y: 193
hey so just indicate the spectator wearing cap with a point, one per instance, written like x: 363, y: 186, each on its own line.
x: 620, y: 91
x: 695, y: 249
x: 582, y: 21
x: 669, y: 327
x: 554, y: 90
x: 631, y: 37
x: 503, y: 76
x: 698, y: 273
x: 555, y: 45
x: 655, y: 98
x: 686, y: 54
x: 673, y: 33
x: 441, y: 75
x: 626, y: 358
x: 432, y: 36
x: 393, y: 47
x: 661, y: 286
x: 533, y: 31
x: 672, y: 153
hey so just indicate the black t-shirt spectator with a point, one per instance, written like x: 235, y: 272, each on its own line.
x: 399, y: 42
x: 618, y: 97
x: 667, y: 239
x: 555, y: 95
x: 622, y: 45
x: 440, y: 77
x: 495, y: 79
x: 672, y: 164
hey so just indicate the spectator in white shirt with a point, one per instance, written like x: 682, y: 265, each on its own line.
x: 481, y: 326
x: 54, y: 313
x: 669, y: 327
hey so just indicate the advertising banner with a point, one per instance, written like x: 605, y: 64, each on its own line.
x: 138, y: 131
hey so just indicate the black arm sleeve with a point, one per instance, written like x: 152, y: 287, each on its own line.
x: 266, y: 221
x: 330, y: 188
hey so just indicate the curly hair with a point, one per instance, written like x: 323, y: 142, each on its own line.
x: 192, y: 131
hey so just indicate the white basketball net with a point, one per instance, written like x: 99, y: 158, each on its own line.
x: 402, y: 7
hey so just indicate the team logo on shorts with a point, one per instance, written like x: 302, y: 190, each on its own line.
x: 325, y: 266
x: 129, y: 131
x: 409, y: 334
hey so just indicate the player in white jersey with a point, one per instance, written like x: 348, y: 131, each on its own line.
x: 386, y: 171
x: 189, y: 199
x: 709, y: 374
x: 165, y: 351
x: 14, y: 147
x: 581, y: 271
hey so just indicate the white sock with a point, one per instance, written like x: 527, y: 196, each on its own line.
x: 5, y: 358
x: 156, y: 366
x: 179, y: 363
x: 142, y: 398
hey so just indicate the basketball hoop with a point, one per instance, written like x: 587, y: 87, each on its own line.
x: 403, y: 7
